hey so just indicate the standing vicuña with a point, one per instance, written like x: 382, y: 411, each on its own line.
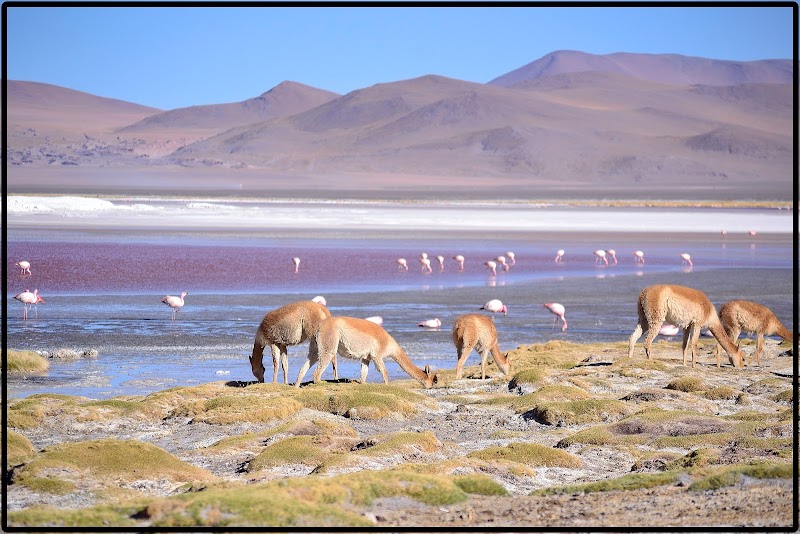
x: 739, y: 316
x: 477, y: 331
x: 686, y: 308
x: 289, y: 325
x: 363, y: 340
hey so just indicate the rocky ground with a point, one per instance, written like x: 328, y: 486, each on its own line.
x: 596, y: 415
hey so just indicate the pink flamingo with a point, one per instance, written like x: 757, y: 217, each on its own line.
x: 668, y: 329
x: 511, y: 257
x: 492, y: 267
x: 460, y: 261
x: 600, y: 256
x: 560, y: 255
x: 431, y: 323
x: 613, y: 254
x: 319, y: 299
x: 638, y: 257
x: 29, y: 299
x: 440, y: 259
x: 377, y: 319
x: 752, y: 233
x: 557, y: 310
x: 426, y: 265
x: 296, y: 264
x: 686, y: 259
x: 502, y: 261
x: 174, y: 302
x: 402, y: 265
x: 495, y: 306
x: 24, y: 267
x: 724, y: 232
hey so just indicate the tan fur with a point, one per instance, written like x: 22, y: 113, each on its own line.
x: 363, y: 340
x: 477, y: 331
x: 289, y: 325
x: 686, y: 308
x: 739, y: 316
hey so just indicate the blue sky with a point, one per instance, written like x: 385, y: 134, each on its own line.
x: 169, y: 57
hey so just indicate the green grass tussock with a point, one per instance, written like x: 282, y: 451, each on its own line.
x: 530, y: 454
x: 733, y: 474
x: 477, y: 484
x: 105, y: 459
x: 578, y: 412
x: 631, y: 481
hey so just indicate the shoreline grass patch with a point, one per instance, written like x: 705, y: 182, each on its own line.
x: 631, y: 481
x: 25, y: 362
x: 530, y: 454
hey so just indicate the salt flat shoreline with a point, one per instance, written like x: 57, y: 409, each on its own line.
x: 225, y: 214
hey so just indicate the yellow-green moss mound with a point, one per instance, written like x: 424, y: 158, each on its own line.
x: 530, y: 454
x: 25, y: 363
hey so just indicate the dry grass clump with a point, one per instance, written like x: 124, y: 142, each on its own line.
x: 233, y: 409
x: 553, y: 354
x: 631, y: 481
x: 25, y: 362
x: 362, y: 401
x: 394, y: 443
x: 660, y: 429
x: 297, y: 427
x: 477, y: 484
x: 578, y: 412
x: 638, y: 367
x: 687, y: 384
x: 530, y: 454
x: 768, y: 386
x: 106, y: 461
x: 20, y: 449
x: 533, y: 377
x: 730, y: 475
x: 721, y: 393
x: 697, y: 458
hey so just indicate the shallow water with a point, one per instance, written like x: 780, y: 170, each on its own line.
x: 103, y: 291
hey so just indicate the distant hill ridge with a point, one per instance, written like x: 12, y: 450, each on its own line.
x: 621, y: 125
x: 662, y: 68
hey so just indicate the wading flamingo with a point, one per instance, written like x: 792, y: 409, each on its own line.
x: 638, y: 257
x: 502, y: 261
x: 402, y: 265
x: 460, y: 261
x: 600, y: 255
x: 557, y: 310
x: 686, y: 259
x: 377, y: 319
x: 296, y: 264
x: 613, y: 254
x: 560, y: 255
x: 29, y: 299
x: 174, y: 302
x: 319, y: 299
x: 440, y: 259
x: 431, y: 323
x: 668, y: 329
x: 24, y: 267
x: 492, y: 267
x: 495, y: 306
x: 511, y: 257
x: 426, y: 265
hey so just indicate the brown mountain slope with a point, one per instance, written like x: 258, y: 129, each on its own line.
x: 662, y: 68
x: 286, y: 98
x: 34, y: 104
x: 582, y: 130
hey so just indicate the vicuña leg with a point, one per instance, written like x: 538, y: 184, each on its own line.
x: 311, y: 360
x: 381, y: 369
x: 463, y: 353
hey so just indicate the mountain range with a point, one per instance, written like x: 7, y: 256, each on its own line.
x: 567, y: 125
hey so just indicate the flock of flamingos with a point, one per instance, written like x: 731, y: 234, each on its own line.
x: 662, y: 309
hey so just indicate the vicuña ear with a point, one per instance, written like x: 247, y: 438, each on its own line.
x: 427, y: 369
